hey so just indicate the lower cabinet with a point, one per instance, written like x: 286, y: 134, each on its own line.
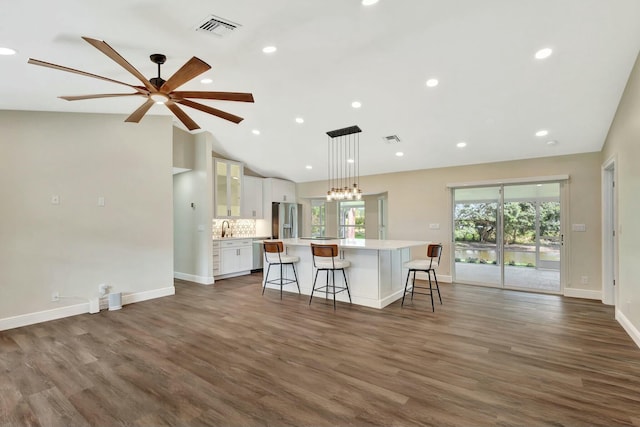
x: 236, y: 256
x: 216, y: 258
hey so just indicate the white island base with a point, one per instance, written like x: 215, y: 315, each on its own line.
x: 376, y: 277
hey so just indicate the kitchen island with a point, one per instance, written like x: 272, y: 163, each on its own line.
x: 376, y: 276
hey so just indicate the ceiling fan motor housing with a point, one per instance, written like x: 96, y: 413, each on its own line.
x: 157, y: 58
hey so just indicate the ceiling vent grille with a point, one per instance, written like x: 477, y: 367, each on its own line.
x: 216, y: 26
x: 391, y: 139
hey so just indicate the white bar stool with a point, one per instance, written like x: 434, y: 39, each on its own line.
x: 274, y: 255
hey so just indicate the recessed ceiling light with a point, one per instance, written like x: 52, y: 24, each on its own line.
x: 256, y: 132
x: 542, y: 132
x: 356, y: 104
x: 269, y: 49
x: 369, y: 2
x: 299, y: 120
x: 432, y: 82
x: 552, y: 142
x: 544, y: 53
x: 309, y: 167
x: 206, y: 81
x: 461, y: 144
x: 7, y: 51
x: 399, y: 154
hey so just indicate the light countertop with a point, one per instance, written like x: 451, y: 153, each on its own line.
x: 218, y: 238
x: 368, y: 244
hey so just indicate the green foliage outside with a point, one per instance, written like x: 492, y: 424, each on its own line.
x: 476, y: 222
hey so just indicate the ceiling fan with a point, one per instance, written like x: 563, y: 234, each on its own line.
x: 157, y: 90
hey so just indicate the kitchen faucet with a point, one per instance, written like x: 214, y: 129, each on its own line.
x: 228, y: 226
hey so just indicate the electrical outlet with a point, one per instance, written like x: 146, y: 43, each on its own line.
x: 55, y: 296
x: 584, y: 280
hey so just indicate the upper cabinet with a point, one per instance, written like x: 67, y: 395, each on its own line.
x: 227, y: 188
x: 252, y: 198
x: 280, y: 190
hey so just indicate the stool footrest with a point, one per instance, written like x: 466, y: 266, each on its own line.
x: 338, y: 289
x: 285, y: 281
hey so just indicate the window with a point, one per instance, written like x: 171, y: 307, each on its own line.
x: 351, y: 219
x: 318, y: 218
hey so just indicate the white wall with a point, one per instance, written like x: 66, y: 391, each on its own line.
x: 623, y: 142
x: 419, y: 198
x: 73, y: 247
x: 192, y: 225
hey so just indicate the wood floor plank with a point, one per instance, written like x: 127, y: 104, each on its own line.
x: 227, y: 355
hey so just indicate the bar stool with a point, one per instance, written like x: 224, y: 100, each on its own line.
x: 274, y: 255
x: 428, y: 265
x: 324, y: 259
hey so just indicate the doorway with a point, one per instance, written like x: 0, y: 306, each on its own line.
x: 509, y: 236
x: 609, y: 238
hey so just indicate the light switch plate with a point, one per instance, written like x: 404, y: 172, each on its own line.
x: 578, y: 227
x: 434, y: 226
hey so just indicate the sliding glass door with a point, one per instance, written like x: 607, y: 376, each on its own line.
x: 476, y: 235
x: 509, y: 236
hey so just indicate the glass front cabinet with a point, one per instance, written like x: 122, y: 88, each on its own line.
x: 227, y: 188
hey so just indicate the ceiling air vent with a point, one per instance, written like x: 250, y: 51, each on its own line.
x: 217, y: 26
x: 391, y: 139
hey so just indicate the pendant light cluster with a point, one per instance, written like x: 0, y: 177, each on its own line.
x: 343, y: 149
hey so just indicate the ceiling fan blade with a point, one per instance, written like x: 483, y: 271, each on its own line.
x: 222, y: 96
x: 102, y: 95
x: 137, y: 115
x: 83, y: 73
x: 194, y: 67
x: 211, y: 110
x: 111, y: 53
x: 182, y: 116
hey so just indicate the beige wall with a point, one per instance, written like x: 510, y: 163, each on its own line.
x: 73, y: 247
x: 623, y: 142
x: 419, y: 198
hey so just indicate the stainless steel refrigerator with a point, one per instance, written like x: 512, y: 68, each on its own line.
x: 286, y: 219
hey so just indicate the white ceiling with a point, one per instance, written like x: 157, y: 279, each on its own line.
x: 493, y: 93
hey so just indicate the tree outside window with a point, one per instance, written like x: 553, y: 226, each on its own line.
x: 318, y: 218
x: 351, y: 220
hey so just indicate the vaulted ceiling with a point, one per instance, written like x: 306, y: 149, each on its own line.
x: 492, y: 92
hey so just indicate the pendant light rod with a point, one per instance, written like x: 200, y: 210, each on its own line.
x: 343, y: 154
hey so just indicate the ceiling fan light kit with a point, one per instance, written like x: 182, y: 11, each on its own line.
x: 156, y: 89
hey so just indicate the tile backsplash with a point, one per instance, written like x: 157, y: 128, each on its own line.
x: 237, y: 227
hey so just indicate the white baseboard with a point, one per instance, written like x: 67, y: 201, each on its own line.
x: 43, y: 316
x: 626, y: 324
x: 582, y: 293
x: 203, y: 280
x: 147, y: 295
x: 76, y: 309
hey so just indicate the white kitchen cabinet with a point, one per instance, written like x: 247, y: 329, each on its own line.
x: 227, y: 188
x: 236, y: 256
x: 280, y: 190
x: 252, y: 198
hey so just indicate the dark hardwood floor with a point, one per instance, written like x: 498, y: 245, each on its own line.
x: 224, y: 355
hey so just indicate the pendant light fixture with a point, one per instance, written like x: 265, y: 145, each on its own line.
x: 343, y: 153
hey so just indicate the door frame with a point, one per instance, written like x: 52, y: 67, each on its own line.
x: 609, y: 235
x: 562, y: 180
